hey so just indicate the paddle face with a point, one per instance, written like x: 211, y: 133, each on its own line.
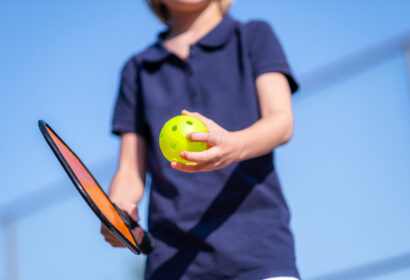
x: 117, y: 221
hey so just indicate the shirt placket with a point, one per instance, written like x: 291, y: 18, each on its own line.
x: 192, y: 83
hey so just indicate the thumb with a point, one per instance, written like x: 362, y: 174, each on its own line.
x: 133, y: 212
x: 131, y: 209
x: 207, y: 122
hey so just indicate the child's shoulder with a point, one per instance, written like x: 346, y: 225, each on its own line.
x: 256, y: 32
x: 153, y: 52
x: 256, y: 23
x: 257, y: 26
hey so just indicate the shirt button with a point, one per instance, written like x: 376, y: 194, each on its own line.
x: 191, y: 52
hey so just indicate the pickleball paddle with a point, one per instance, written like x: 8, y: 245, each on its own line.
x: 116, y: 220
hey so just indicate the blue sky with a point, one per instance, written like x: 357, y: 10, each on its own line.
x: 345, y: 172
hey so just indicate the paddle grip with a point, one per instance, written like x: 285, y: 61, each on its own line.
x: 148, y: 242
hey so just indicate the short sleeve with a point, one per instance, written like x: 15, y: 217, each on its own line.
x: 128, y: 110
x: 266, y: 53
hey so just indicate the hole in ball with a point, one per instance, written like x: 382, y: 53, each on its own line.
x: 174, y: 128
x: 189, y: 122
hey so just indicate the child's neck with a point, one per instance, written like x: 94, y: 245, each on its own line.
x: 188, y: 27
x: 199, y: 21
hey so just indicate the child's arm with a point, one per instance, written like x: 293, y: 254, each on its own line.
x: 127, y: 186
x: 273, y: 129
x: 129, y: 180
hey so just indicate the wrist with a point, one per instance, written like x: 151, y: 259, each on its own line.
x: 240, y: 145
x: 126, y: 187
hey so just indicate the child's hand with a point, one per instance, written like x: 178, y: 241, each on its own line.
x: 132, y: 210
x: 223, y: 148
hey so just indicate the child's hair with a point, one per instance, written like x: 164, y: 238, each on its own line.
x: 160, y: 10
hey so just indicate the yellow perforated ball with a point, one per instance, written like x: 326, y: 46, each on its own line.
x: 173, y: 137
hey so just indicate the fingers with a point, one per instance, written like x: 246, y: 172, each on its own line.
x: 138, y: 234
x: 198, y: 136
x: 219, y: 147
x: 208, y: 137
x: 208, y: 122
x: 192, y: 167
x: 200, y: 157
x: 188, y: 167
x: 130, y: 208
x: 115, y: 242
x: 134, y: 213
x: 214, y: 130
x: 110, y: 238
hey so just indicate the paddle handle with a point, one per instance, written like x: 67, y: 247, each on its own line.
x: 148, y: 242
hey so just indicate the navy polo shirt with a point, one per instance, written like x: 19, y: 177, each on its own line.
x: 231, y: 223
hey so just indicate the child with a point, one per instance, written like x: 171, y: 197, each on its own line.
x: 223, y: 217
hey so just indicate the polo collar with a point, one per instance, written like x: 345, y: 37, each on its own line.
x: 216, y: 38
x: 220, y: 34
x: 155, y: 53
